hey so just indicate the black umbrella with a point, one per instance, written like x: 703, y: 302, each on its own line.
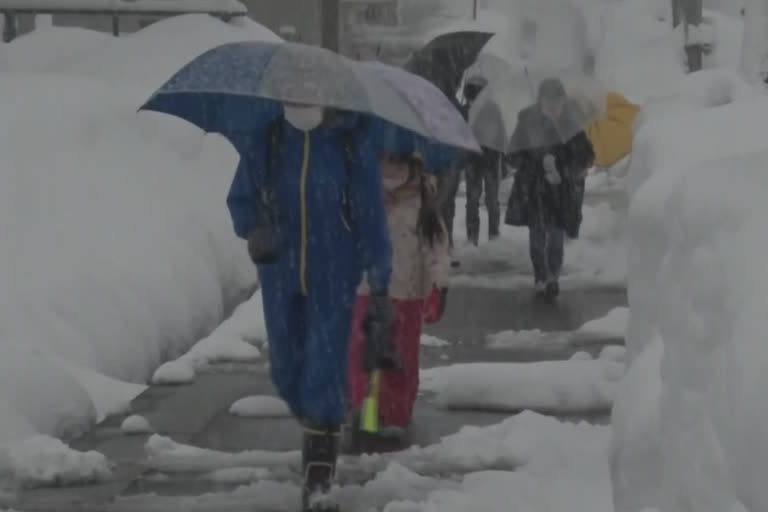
x: 444, y: 59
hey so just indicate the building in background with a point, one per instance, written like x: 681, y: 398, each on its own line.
x: 117, y: 17
x: 299, y: 20
x: 373, y: 29
x: 369, y: 29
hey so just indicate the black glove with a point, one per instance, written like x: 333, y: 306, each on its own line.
x: 379, y: 351
x: 262, y: 245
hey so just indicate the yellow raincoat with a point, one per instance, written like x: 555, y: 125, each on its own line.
x: 611, y: 133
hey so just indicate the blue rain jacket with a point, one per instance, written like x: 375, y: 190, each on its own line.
x: 309, y: 292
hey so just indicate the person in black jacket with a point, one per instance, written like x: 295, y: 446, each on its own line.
x: 552, y: 155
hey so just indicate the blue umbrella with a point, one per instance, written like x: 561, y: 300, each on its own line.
x: 393, y: 139
x: 238, y: 88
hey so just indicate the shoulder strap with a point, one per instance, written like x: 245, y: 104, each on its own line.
x: 272, y: 164
x: 349, y: 145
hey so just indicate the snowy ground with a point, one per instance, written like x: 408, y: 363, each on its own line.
x: 596, y: 258
x: 558, y: 464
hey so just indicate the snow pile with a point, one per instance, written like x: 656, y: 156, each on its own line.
x: 616, y: 353
x: 693, y: 397
x: 566, y: 468
x: 136, y: 425
x: 525, y: 340
x: 235, y: 339
x: 559, y: 387
x: 433, y: 342
x: 173, y: 372
x: 130, y: 57
x: 608, y: 328
x: 118, y: 250
x: 612, y: 325
x: 43, y: 461
x: 260, y: 406
x: 237, y: 475
x: 528, y: 462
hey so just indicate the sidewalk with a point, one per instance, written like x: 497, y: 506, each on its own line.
x: 197, y: 414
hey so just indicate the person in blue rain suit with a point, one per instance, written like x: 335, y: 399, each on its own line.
x: 308, y: 198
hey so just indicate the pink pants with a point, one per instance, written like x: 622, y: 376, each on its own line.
x: 399, y: 388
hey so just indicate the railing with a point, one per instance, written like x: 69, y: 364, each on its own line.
x: 223, y: 9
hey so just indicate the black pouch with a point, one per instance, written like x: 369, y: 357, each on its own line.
x: 262, y: 245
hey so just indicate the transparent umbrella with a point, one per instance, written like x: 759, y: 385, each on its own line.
x: 237, y: 87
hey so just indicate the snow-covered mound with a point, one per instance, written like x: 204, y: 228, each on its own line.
x: 173, y: 372
x: 117, y: 248
x: 559, y: 387
x: 693, y: 396
x: 260, y: 406
x: 136, y: 425
x: 148, y: 57
x: 43, y: 461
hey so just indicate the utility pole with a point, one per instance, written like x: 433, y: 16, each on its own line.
x: 690, y: 14
x: 693, y: 17
x: 676, y: 9
x: 329, y: 27
x: 474, y: 9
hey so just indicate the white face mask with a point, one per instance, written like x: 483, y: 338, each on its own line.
x: 392, y: 183
x: 303, y: 118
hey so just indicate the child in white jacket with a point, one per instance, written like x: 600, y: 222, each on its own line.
x: 420, y: 263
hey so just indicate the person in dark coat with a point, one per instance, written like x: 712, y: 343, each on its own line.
x: 483, y: 173
x: 552, y: 155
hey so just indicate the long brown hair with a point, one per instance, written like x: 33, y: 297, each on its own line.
x: 429, y: 223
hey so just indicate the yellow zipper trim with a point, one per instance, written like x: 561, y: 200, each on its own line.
x: 304, y: 220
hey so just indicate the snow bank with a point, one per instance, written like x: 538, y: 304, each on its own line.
x: 433, y: 342
x: 566, y: 468
x: 136, y: 425
x: 117, y: 247
x: 693, y: 395
x: 260, y: 406
x: 128, y: 58
x: 666, y: 146
x: 44, y: 461
x: 235, y: 339
x: 173, y: 372
x: 559, y: 387
x: 614, y: 324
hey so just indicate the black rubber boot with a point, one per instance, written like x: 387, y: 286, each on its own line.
x: 351, y: 435
x: 552, y: 290
x: 319, y: 453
